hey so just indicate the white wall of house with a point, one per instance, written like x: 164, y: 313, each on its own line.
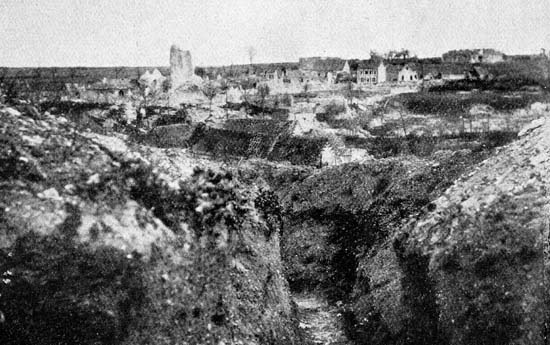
x: 346, y: 68
x: 407, y: 74
x: 382, y: 75
x: 367, y: 76
x: 330, y: 78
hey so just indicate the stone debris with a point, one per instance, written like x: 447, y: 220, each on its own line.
x: 50, y: 193
x: 539, y: 107
x: 11, y: 111
x: 94, y: 179
x: 532, y: 126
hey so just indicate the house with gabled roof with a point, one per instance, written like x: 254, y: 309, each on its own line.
x: 368, y: 72
x: 392, y: 73
x: 108, y: 90
x: 323, y: 68
x: 407, y: 73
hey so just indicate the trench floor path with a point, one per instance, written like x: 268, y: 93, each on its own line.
x: 322, y: 322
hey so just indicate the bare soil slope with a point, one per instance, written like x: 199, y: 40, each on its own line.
x: 97, y: 247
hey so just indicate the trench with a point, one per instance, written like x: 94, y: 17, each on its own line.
x: 322, y: 323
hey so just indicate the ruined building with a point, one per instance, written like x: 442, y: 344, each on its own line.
x: 181, y: 67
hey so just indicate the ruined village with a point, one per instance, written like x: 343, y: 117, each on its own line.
x: 387, y: 199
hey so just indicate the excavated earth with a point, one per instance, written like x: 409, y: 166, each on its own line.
x: 484, y: 247
x: 107, y: 242
x: 472, y: 267
x: 448, y: 249
x: 99, y: 244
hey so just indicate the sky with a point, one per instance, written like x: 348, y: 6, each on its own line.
x: 42, y: 33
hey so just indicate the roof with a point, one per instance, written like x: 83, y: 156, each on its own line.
x: 393, y: 68
x: 239, y: 70
x: 294, y: 74
x: 368, y: 64
x: 322, y: 64
x: 149, y: 77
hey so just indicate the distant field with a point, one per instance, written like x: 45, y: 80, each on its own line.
x: 76, y: 74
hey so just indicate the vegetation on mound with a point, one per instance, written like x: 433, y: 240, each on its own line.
x: 58, y: 292
x: 408, y: 195
x: 485, y: 273
x: 109, y: 293
x: 298, y: 150
x: 426, y: 145
x: 456, y: 105
x: 65, y: 107
x: 181, y: 116
x: 472, y: 270
x: 277, y: 146
x: 206, y: 199
x: 254, y: 109
x: 215, y: 277
x: 332, y: 110
x: 505, y: 84
x: 263, y: 126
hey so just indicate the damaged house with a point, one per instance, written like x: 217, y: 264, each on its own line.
x: 323, y: 69
x: 408, y: 73
x: 108, y: 91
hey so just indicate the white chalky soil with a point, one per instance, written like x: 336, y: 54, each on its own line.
x: 321, y: 321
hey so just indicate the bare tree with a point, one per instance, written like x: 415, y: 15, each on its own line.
x: 263, y: 92
x: 147, y: 96
x: 143, y: 102
x: 247, y: 84
x: 306, y: 89
x: 349, y: 91
x: 398, y: 54
x: 251, y: 53
x: 118, y: 71
x: 404, y: 126
x: 224, y: 87
x: 376, y: 55
x: 54, y: 83
x: 8, y: 88
x: 72, y: 74
x: 210, y: 90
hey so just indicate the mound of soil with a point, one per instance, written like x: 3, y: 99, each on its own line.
x: 97, y: 247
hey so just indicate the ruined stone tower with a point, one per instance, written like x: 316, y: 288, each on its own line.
x: 181, y: 66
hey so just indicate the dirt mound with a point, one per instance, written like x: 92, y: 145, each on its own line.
x: 176, y: 135
x: 485, y: 246
x: 334, y: 217
x: 99, y: 248
x: 472, y: 268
